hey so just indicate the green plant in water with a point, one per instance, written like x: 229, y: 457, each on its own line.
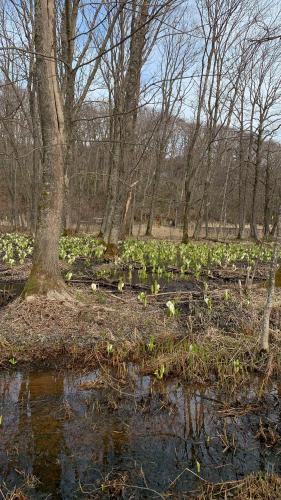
x: 121, y: 285
x: 159, y: 373
x: 142, y: 298
x: 208, y: 302
x: 103, y: 273
x: 143, y: 274
x: 155, y: 287
x: 171, y: 308
x: 12, y: 361
x: 130, y: 273
x: 1, y: 419
x: 99, y: 250
x: 198, y: 467
x: 68, y: 276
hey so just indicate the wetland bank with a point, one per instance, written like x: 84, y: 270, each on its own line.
x: 148, y: 382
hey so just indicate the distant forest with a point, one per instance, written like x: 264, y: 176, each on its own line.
x: 171, y: 115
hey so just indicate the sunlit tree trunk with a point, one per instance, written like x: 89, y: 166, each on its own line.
x: 264, y: 336
x: 131, y: 100
x: 45, y: 275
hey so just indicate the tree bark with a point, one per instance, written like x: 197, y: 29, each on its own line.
x: 45, y: 274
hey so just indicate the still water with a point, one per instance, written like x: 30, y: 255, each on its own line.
x: 67, y: 435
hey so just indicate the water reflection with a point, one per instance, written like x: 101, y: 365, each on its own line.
x: 76, y: 439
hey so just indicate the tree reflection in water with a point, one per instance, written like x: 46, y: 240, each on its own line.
x: 73, y: 439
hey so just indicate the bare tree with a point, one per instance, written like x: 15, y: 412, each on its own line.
x: 264, y: 335
x: 45, y: 273
x: 175, y: 60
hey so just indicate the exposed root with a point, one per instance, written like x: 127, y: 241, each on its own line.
x: 63, y: 297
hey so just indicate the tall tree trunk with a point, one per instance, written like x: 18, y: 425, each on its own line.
x: 204, y: 208
x: 69, y: 19
x: 222, y: 222
x: 187, y: 193
x: 242, y: 183
x: 113, y: 180
x: 36, y: 154
x: 254, y: 229
x: 45, y: 274
x: 195, y: 134
x: 264, y: 335
x: 155, y: 183
x: 131, y: 101
x: 266, y: 222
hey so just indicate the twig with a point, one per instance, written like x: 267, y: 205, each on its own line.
x: 141, y: 488
x: 191, y: 472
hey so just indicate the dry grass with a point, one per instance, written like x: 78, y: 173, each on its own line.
x: 259, y: 486
x: 200, y: 344
x: 45, y: 330
x: 220, y: 344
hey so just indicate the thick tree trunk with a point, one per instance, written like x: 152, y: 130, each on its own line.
x: 45, y: 274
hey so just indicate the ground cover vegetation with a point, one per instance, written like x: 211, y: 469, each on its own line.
x: 193, y: 310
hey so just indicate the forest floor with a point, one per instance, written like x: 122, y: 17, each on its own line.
x: 173, y: 354
x: 209, y: 338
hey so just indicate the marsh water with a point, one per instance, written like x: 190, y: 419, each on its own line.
x: 9, y: 291
x: 126, y: 435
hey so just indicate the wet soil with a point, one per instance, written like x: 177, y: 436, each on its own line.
x: 10, y: 290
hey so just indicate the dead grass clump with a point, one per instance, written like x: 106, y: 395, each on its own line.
x: 261, y: 486
x: 16, y: 494
x: 269, y: 435
x: 43, y: 329
x: 214, y: 340
x: 213, y: 356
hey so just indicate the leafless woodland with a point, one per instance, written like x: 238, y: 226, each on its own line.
x: 162, y: 113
